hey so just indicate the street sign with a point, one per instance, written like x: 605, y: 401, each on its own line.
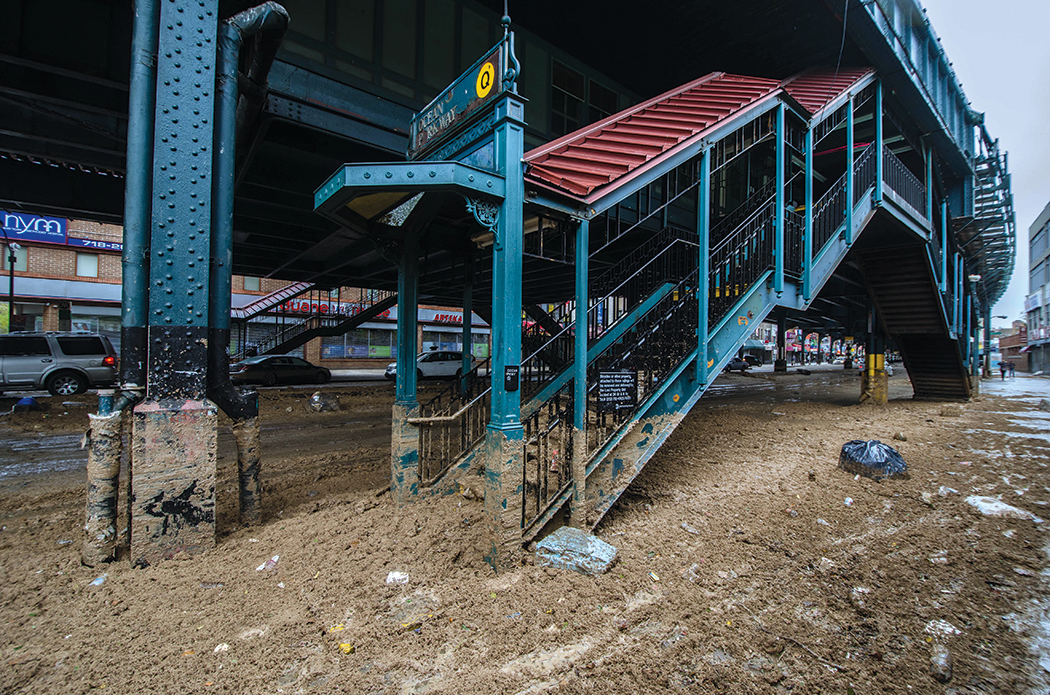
x: 459, y: 104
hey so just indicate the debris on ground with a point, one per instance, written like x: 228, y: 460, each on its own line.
x: 572, y: 549
x: 324, y: 402
x: 872, y: 459
x: 989, y: 506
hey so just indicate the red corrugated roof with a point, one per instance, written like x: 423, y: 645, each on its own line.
x: 814, y: 89
x: 595, y: 156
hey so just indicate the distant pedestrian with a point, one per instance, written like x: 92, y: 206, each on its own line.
x: 1010, y: 366
x: 1002, y: 370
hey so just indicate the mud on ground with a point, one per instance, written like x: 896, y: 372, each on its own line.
x: 748, y: 563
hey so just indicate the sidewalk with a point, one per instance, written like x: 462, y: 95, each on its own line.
x: 357, y: 375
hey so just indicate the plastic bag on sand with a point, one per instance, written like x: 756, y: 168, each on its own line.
x: 872, y: 459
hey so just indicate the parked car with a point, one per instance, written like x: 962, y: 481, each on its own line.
x: 753, y: 360
x: 64, y: 363
x: 737, y: 364
x: 435, y: 364
x: 269, y: 370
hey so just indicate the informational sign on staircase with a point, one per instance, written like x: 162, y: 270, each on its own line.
x: 617, y: 389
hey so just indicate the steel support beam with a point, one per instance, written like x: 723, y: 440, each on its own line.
x: 849, y: 171
x: 404, y: 445
x: 879, y: 143
x: 703, y: 285
x: 807, y: 236
x: 778, y: 242
x: 504, y: 439
x: 579, y: 384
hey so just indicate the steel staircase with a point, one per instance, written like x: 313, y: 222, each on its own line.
x: 270, y: 301
x: 644, y: 312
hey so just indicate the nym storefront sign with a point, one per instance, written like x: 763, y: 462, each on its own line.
x: 20, y: 226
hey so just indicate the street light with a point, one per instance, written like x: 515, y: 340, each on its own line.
x: 11, y: 248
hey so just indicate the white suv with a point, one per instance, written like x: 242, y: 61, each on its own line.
x: 435, y: 364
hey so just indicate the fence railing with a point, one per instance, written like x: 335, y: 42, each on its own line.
x: 904, y: 183
x: 739, y: 259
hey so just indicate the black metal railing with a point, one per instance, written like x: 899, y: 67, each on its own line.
x: 286, y: 332
x: 904, y: 183
x: 864, y: 170
x: 794, y: 228
x: 739, y: 259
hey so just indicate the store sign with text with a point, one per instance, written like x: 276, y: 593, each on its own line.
x: 20, y: 226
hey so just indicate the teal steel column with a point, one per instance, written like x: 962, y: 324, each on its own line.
x: 404, y: 436
x: 969, y: 308
x: 504, y: 437
x: 929, y: 188
x: 703, y: 280
x: 807, y: 237
x: 468, y: 321
x: 407, y: 320
x: 849, y: 171
x: 580, y: 348
x: 778, y: 243
x: 137, y: 194
x: 944, y: 247
x: 878, y: 143
x: 579, y: 378
x: 506, y: 265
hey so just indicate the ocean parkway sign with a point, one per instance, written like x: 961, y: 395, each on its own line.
x: 459, y: 104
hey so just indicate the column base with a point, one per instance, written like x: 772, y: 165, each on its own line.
x: 404, y: 454
x: 780, y: 366
x: 504, y: 485
x: 174, y: 450
x: 874, y: 387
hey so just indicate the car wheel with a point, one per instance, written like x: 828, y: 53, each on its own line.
x: 66, y: 384
x: 269, y: 379
x: 459, y: 374
x: 321, y: 378
x: 419, y: 375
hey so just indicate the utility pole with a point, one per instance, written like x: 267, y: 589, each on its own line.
x: 11, y: 248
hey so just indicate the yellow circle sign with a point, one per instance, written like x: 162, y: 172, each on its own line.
x: 486, y: 78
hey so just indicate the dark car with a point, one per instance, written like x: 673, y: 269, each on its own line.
x: 753, y: 360
x: 737, y: 364
x: 64, y: 363
x: 269, y: 370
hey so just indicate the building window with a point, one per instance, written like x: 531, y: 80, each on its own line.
x: 567, y: 99
x: 87, y: 265
x: 251, y: 284
x: 602, y: 101
x: 20, y: 259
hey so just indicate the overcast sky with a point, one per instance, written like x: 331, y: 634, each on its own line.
x: 1001, y: 54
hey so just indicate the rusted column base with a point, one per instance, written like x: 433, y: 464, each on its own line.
x: 174, y: 450
x: 874, y: 387
x: 246, y: 433
x: 404, y: 454
x: 504, y: 483
x: 103, y: 475
x: 975, y: 386
x: 580, y: 503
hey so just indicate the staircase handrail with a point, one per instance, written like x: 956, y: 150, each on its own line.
x: 270, y: 300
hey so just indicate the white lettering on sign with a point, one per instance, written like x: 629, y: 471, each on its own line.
x: 617, y: 389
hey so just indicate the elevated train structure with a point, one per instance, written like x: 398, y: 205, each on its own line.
x: 814, y: 162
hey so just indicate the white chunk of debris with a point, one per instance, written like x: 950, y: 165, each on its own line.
x: 989, y: 506
x: 941, y: 627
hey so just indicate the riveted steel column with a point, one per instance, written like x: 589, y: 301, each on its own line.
x: 703, y: 265
x: 968, y: 332
x: 807, y: 236
x: 944, y: 247
x: 579, y: 379
x: 878, y: 143
x: 174, y: 435
x: 778, y: 243
x: 849, y: 171
x: 404, y: 452
x: 504, y: 439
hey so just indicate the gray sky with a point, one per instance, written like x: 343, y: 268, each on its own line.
x: 1001, y: 54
